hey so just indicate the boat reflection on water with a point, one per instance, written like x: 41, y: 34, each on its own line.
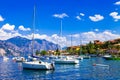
x: 37, y: 72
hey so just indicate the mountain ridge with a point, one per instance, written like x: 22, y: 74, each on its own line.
x: 21, y: 45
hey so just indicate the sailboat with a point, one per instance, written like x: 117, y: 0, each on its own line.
x: 65, y: 59
x: 18, y: 58
x: 37, y: 64
x: 85, y: 56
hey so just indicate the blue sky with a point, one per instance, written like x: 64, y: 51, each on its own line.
x: 88, y: 18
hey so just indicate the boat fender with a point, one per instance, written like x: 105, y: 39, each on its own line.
x: 40, y: 62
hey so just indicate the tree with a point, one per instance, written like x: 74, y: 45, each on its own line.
x: 71, y: 51
x: 107, y: 45
x: 117, y: 47
x: 37, y: 52
x: 90, y: 47
x: 43, y: 52
x: 84, y: 50
x: 57, y: 52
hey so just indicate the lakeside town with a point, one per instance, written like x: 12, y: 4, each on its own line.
x: 97, y: 48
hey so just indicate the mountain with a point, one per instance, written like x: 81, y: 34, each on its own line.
x: 24, y: 46
x: 8, y: 47
x: 18, y: 41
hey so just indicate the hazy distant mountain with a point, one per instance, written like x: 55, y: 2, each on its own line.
x: 18, y: 41
x: 9, y: 47
x: 24, y: 46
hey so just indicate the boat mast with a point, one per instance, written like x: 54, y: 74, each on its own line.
x: 61, y: 33
x: 71, y: 45
x: 61, y: 28
x: 71, y: 41
x: 33, y: 52
x: 80, y: 45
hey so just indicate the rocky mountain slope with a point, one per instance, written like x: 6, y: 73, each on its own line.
x: 23, y: 46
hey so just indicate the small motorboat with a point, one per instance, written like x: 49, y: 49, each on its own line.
x: 107, y: 57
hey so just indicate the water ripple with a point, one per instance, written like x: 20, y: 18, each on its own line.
x: 84, y: 71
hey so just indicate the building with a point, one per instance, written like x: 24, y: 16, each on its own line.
x: 98, y: 42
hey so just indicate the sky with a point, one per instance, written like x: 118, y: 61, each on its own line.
x: 82, y: 20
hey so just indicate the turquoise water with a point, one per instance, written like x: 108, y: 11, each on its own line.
x: 10, y: 70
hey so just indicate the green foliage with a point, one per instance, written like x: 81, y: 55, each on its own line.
x: 107, y: 45
x: 77, y: 52
x: 37, y: 52
x: 71, y: 51
x: 90, y: 47
x: 117, y: 47
x: 57, y: 52
x: 82, y: 50
x: 43, y: 52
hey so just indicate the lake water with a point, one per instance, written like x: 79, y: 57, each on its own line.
x: 10, y: 70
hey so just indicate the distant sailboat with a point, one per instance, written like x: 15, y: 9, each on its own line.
x: 18, y: 59
x: 36, y: 64
x: 81, y: 55
x: 65, y: 59
x: 2, y: 52
x: 5, y: 58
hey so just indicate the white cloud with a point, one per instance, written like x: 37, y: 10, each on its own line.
x: 8, y: 27
x: 96, y: 18
x: 23, y: 28
x: 1, y: 18
x: 6, y: 35
x: 82, y: 14
x: 60, y: 15
x: 77, y: 39
x: 115, y: 15
x: 96, y: 30
x: 53, y: 38
x: 117, y: 3
x: 103, y: 36
x: 78, y: 17
x: 86, y: 37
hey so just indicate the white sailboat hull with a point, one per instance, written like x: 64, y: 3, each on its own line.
x: 60, y: 61
x: 37, y: 65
